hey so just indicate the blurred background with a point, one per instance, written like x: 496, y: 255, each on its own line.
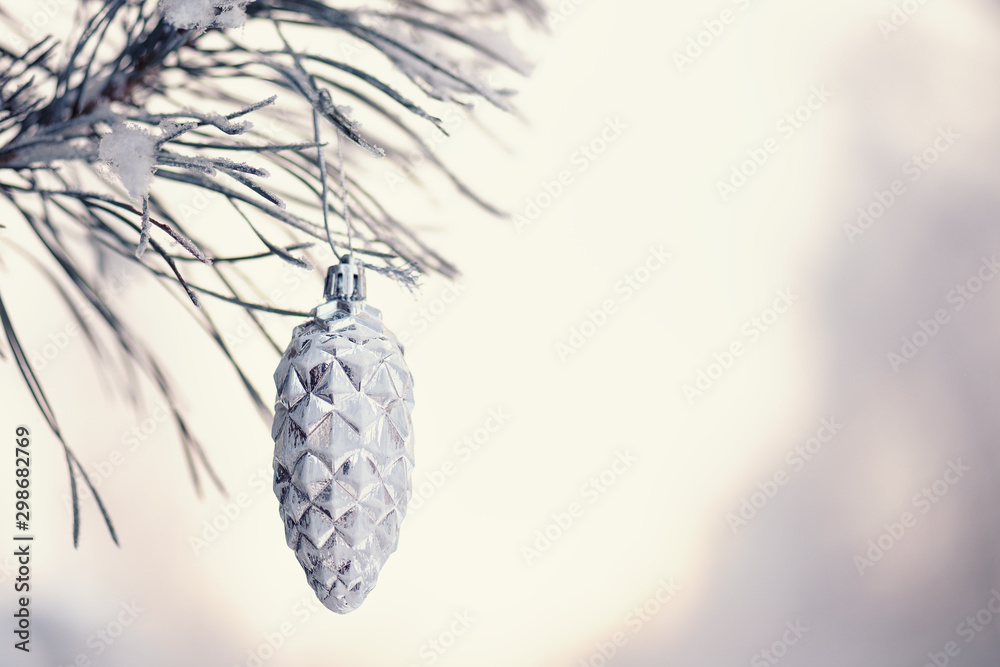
x: 722, y: 392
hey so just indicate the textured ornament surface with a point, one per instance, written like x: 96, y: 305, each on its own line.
x: 343, y: 451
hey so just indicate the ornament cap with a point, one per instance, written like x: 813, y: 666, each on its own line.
x: 345, y: 292
x: 345, y: 281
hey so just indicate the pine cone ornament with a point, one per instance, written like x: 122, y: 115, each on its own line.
x: 343, y: 442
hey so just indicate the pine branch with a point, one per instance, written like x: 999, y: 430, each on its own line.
x: 79, y: 105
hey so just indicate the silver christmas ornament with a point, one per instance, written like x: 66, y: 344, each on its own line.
x: 343, y: 442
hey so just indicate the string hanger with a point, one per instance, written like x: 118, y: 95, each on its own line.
x: 346, y: 280
x: 321, y: 159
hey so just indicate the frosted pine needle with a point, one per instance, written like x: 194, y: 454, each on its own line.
x: 147, y: 226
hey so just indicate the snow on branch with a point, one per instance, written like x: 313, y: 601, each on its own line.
x: 200, y: 14
x: 130, y: 152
